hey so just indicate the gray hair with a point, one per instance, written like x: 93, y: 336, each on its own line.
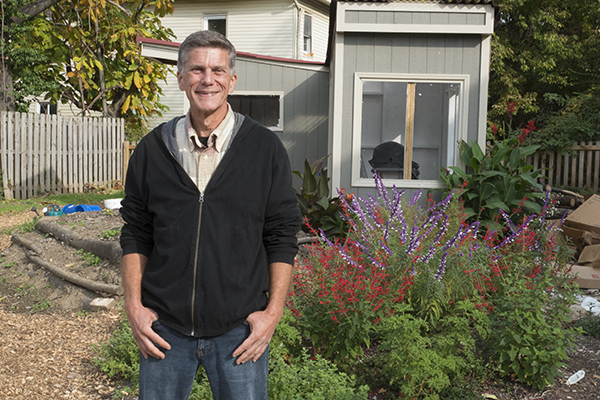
x: 205, y: 39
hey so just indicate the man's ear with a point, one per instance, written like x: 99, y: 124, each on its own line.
x: 233, y: 81
x: 180, y: 81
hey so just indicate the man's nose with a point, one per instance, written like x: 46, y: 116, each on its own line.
x: 207, y: 77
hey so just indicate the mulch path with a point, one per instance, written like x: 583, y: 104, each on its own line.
x: 50, y: 356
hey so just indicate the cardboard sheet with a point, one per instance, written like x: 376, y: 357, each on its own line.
x: 586, y: 277
x: 586, y: 217
x: 590, y: 256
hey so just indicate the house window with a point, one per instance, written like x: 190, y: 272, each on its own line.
x: 264, y: 108
x: 216, y: 23
x: 44, y: 107
x: 307, y: 34
x: 409, y: 128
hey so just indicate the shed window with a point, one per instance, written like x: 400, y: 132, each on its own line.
x: 264, y: 108
x: 409, y: 129
x: 307, y: 34
x: 216, y: 23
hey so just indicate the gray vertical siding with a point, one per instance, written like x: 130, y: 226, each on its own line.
x: 305, y: 102
x: 407, y: 54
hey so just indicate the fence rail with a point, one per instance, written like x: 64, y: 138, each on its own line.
x: 576, y: 167
x: 48, y: 153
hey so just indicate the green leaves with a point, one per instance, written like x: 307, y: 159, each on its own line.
x: 95, y: 60
x: 531, y: 337
x: 320, y: 211
x: 498, y: 180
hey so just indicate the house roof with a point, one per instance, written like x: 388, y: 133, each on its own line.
x: 166, y: 52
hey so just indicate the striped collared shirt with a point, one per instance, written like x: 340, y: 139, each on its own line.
x: 199, y: 160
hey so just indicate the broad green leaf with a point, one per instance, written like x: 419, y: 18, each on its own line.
x: 496, y: 205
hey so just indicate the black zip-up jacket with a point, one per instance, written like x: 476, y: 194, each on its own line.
x: 208, y: 253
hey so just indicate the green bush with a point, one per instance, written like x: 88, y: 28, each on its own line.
x: 590, y: 325
x: 424, y: 293
x: 578, y: 121
x: 293, y: 373
x: 119, y: 357
x: 311, y: 378
x: 500, y: 179
x: 531, y: 337
x: 421, y: 361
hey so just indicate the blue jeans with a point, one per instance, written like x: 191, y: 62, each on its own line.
x: 172, y: 377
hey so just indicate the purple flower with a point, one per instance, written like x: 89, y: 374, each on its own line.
x: 442, y: 267
x: 357, y: 209
x: 459, y: 235
x: 416, y: 197
x: 442, y: 230
x: 324, y: 238
x: 508, y: 221
x: 346, y: 257
x: 433, y: 219
x: 429, y: 255
x: 515, y: 234
x: 444, y: 203
x: 386, y: 232
x: 545, y: 208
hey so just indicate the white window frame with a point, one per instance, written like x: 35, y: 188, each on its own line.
x: 359, y: 78
x: 310, y: 37
x: 278, y: 128
x: 212, y: 16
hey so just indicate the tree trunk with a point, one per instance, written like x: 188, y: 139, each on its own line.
x: 64, y: 274
x: 7, y: 99
x: 109, y: 250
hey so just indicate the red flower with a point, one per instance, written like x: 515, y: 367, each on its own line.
x: 510, y: 108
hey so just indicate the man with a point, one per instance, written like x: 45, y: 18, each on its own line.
x: 209, y: 237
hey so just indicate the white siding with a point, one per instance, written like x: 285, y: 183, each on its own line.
x: 320, y: 30
x: 265, y: 27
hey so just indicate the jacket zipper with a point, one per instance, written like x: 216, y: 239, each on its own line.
x: 195, y: 273
x: 201, y: 201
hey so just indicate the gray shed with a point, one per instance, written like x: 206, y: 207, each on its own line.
x: 409, y: 81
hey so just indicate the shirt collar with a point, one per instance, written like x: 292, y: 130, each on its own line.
x: 219, y: 137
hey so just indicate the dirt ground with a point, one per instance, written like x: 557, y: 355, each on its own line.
x: 47, y: 330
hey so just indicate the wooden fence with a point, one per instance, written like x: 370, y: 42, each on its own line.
x: 577, y: 167
x: 47, y: 153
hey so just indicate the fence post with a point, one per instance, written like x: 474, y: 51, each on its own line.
x: 126, y: 155
x: 4, y: 155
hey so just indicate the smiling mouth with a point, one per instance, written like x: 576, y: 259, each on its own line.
x: 206, y: 94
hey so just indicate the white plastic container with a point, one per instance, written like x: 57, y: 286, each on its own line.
x: 576, y: 377
x: 112, y: 204
x: 591, y: 304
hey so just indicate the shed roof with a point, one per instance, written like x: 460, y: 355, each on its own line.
x: 419, y: 1
x: 333, y: 12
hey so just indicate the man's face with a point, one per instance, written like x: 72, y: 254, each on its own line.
x: 206, y: 80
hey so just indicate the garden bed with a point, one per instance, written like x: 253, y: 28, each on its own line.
x: 46, y: 352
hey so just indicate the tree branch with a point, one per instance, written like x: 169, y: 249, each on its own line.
x: 32, y: 9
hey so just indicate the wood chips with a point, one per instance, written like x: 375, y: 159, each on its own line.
x: 50, y: 356
x: 11, y: 221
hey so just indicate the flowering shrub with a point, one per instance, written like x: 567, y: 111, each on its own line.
x: 499, y: 178
x: 443, y: 270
